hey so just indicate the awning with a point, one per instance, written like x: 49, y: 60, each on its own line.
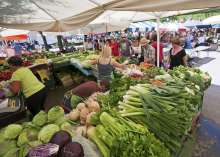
x: 66, y: 15
x: 13, y: 34
x: 16, y: 37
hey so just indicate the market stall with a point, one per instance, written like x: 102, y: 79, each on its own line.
x: 147, y: 107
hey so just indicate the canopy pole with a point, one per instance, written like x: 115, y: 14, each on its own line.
x: 158, y: 41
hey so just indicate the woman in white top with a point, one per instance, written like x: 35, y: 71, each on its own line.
x: 136, y: 47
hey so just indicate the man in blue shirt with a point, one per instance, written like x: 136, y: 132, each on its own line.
x: 18, y: 49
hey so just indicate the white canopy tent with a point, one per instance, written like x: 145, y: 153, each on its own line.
x: 111, y: 21
x: 66, y: 15
x: 192, y: 23
x: 172, y: 26
x: 212, y: 20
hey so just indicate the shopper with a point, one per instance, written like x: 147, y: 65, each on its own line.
x: 125, y: 46
x: 23, y: 80
x: 136, y: 47
x: 10, y: 51
x: 114, y: 46
x: 106, y: 64
x: 177, y: 54
x: 154, y: 45
x: 18, y: 49
x: 96, y: 45
x: 147, y: 52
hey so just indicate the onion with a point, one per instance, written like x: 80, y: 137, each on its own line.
x: 83, y: 115
x: 94, y: 106
x: 74, y: 115
x: 80, y: 106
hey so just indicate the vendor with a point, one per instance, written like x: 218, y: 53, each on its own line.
x: 105, y: 65
x: 147, y: 52
x: 177, y: 55
x: 23, y: 80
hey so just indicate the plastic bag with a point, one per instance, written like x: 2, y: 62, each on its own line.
x: 90, y: 149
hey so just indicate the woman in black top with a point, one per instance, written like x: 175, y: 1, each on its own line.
x: 177, y: 54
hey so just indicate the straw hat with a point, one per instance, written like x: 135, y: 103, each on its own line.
x: 144, y: 41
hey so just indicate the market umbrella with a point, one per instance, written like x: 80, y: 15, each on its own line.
x: 212, y: 20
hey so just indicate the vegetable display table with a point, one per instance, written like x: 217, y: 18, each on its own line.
x: 14, y: 112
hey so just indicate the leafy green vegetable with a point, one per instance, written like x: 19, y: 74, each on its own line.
x: 75, y: 100
x: 166, y: 110
x: 40, y: 119
x: 27, y: 135
x: 61, y: 120
x: 12, y: 131
x: 116, y: 136
x: 12, y: 153
x: 34, y: 143
x: 55, y: 113
x: 6, y: 146
x: 24, y: 151
x: 47, y: 132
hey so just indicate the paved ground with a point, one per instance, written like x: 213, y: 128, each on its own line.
x: 207, y: 137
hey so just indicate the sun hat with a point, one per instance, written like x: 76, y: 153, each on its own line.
x: 144, y: 41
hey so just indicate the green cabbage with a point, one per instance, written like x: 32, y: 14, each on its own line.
x: 40, y: 119
x: 47, y: 132
x: 61, y: 120
x: 12, y: 131
x: 6, y: 146
x: 55, y: 113
x: 27, y: 135
x: 75, y: 100
x: 24, y: 151
x: 66, y: 126
x: 12, y: 152
x: 22, y: 139
x: 34, y: 143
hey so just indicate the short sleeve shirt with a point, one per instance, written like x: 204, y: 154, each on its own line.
x: 29, y: 83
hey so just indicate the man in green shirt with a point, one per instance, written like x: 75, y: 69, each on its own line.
x: 23, y: 80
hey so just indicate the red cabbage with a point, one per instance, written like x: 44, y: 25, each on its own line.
x: 45, y: 150
x: 61, y: 138
x: 72, y: 149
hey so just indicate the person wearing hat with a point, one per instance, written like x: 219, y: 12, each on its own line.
x: 147, y: 52
x: 125, y: 46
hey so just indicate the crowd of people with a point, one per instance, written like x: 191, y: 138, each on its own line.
x: 143, y: 46
x: 14, y: 48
